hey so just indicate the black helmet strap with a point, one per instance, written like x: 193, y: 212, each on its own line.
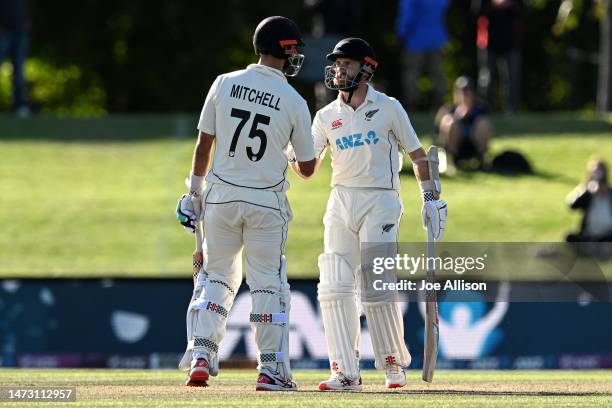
x: 352, y: 89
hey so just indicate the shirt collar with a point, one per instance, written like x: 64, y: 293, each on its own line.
x: 371, y: 96
x: 265, y: 70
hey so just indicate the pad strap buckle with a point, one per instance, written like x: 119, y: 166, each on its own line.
x: 277, y: 357
x: 269, y: 318
x: 206, y: 304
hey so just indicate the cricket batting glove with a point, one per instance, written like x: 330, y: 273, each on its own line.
x: 188, y: 211
x: 291, y: 154
x: 434, y: 213
x: 189, y: 208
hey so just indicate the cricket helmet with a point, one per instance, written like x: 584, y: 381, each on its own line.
x: 356, y: 49
x: 275, y: 36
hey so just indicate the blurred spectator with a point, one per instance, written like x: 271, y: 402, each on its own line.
x: 498, y: 40
x: 464, y: 128
x: 421, y: 26
x: 332, y: 20
x: 594, y: 199
x: 14, y: 27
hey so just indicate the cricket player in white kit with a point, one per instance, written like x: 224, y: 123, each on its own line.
x: 365, y: 130
x: 251, y: 115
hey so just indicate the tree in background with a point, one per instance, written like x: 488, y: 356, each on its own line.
x: 93, y: 56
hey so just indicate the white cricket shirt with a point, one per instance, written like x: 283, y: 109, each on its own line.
x: 365, y: 142
x: 254, y: 113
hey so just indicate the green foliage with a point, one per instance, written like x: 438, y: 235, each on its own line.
x: 155, y: 55
x: 58, y: 90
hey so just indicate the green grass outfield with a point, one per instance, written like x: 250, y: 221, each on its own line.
x: 163, y: 388
x: 96, y: 197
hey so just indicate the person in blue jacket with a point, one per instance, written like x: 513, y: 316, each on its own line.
x: 421, y: 26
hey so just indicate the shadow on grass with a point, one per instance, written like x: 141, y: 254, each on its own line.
x: 139, y: 127
x: 114, y: 128
x: 468, y: 175
x: 473, y: 174
x: 551, y: 124
x: 548, y: 124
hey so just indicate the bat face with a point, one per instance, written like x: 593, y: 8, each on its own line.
x: 431, y: 340
x: 432, y: 331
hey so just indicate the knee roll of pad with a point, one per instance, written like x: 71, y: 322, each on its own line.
x: 337, y: 279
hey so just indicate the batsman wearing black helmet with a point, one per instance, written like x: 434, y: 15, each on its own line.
x: 251, y: 115
x: 365, y: 131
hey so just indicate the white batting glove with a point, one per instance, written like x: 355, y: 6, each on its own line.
x: 188, y: 211
x: 434, y: 213
x: 291, y: 154
x: 189, y: 208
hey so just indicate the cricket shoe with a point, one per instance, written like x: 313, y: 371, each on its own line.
x: 396, y: 376
x: 340, y: 382
x: 198, y: 373
x: 269, y: 380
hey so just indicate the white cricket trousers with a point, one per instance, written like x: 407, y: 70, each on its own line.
x: 354, y: 217
x: 237, y: 218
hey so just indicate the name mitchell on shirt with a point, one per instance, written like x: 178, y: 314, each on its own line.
x: 253, y: 95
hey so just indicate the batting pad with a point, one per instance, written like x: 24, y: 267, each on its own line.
x: 212, y: 308
x: 386, y: 324
x: 192, y: 314
x: 337, y: 298
x: 270, y: 321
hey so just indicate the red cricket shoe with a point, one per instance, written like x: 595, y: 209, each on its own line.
x: 269, y: 380
x: 198, y: 374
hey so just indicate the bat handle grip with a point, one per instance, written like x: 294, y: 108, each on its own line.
x: 198, y: 255
x: 199, y: 235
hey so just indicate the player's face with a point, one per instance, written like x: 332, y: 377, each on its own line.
x: 344, y: 68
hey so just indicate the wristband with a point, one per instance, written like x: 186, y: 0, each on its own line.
x: 196, y: 183
x: 427, y: 185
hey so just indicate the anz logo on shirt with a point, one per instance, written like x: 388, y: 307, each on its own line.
x: 356, y: 140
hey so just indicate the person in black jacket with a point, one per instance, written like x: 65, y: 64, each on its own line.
x: 464, y: 128
x: 500, y: 26
x: 594, y: 199
x: 14, y: 26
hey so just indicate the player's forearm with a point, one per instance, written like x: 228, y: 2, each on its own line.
x: 201, y: 155
x: 421, y: 168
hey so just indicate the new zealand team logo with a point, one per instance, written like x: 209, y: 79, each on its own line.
x: 387, y: 227
x: 370, y: 114
x: 336, y: 124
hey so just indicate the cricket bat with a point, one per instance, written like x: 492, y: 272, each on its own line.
x: 432, y: 330
x: 198, y: 255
